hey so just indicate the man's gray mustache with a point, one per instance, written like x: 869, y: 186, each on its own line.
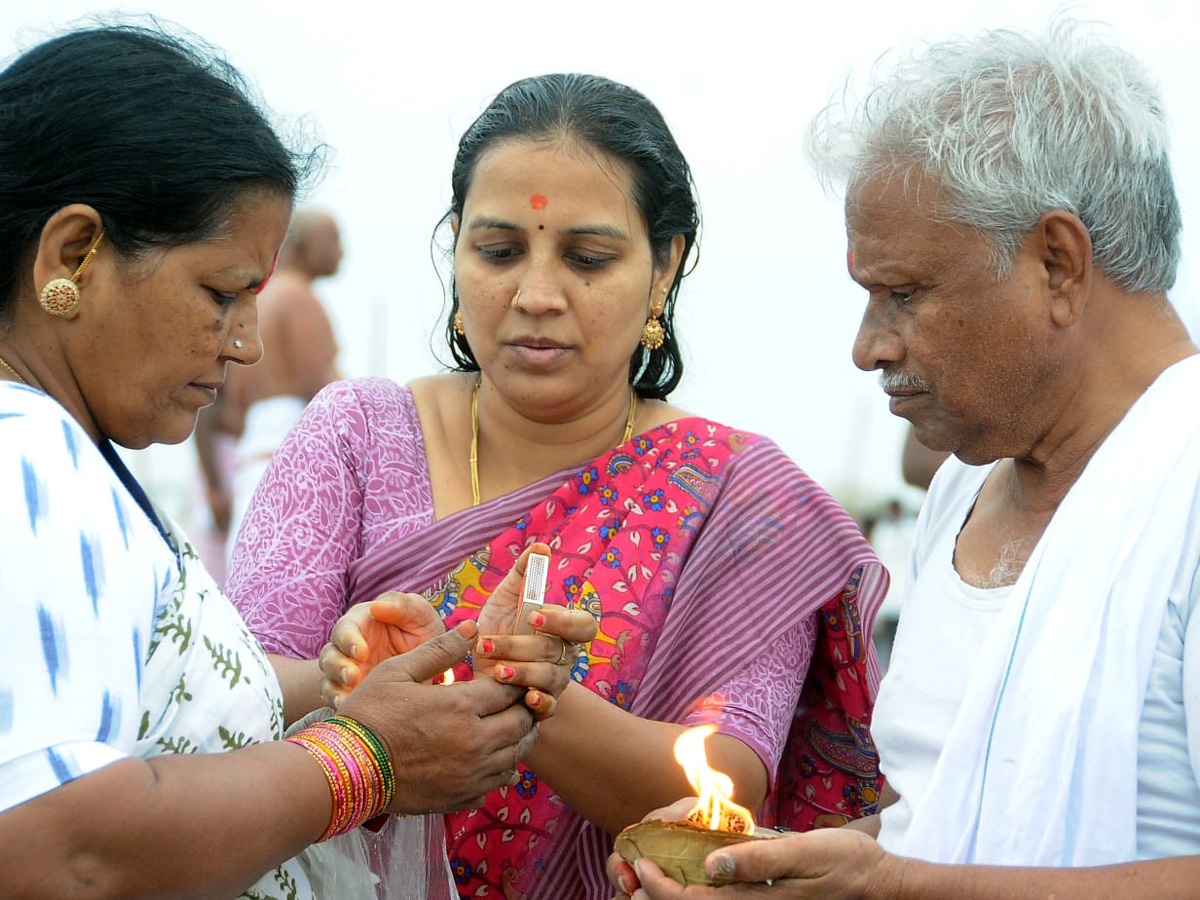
x: 901, y: 381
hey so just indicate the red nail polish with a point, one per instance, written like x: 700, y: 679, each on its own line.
x: 486, y: 647
x: 506, y: 672
x: 537, y: 620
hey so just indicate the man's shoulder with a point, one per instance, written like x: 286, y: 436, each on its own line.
x: 290, y: 292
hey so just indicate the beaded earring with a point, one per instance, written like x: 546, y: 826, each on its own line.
x: 653, y: 334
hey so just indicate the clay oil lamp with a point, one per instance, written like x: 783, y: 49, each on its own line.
x: 679, y: 848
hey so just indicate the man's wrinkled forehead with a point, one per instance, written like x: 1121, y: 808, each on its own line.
x: 906, y: 191
x: 897, y: 232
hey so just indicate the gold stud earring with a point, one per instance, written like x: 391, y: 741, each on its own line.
x: 60, y: 296
x: 516, y: 300
x: 653, y: 334
x: 458, y: 323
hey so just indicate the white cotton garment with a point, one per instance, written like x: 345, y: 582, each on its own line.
x: 1040, y: 763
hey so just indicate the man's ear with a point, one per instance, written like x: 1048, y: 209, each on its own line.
x: 64, y: 242
x: 1066, y: 252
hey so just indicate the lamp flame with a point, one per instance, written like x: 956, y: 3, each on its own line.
x: 448, y: 676
x: 715, y: 809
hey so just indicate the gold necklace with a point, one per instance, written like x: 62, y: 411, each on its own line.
x: 475, y: 432
x: 16, y: 374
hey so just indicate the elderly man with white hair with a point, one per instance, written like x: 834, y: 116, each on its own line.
x: 1011, y: 214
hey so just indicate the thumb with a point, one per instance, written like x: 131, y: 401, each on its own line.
x: 787, y: 855
x: 502, y: 611
x: 434, y: 656
x: 411, y: 612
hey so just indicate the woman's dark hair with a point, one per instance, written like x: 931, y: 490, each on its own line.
x: 622, y: 123
x: 156, y: 133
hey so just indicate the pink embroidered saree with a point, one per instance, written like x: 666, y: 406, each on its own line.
x: 719, y: 575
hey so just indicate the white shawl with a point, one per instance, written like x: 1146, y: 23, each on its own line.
x: 1040, y: 767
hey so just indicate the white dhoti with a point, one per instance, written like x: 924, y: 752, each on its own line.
x: 267, y: 424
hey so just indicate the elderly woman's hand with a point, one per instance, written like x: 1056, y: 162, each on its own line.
x: 541, y: 661
x: 369, y: 633
x: 450, y: 745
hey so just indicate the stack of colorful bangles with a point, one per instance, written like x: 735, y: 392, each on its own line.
x: 357, y: 766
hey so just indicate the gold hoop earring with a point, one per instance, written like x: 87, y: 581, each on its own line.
x: 60, y: 296
x: 653, y: 334
x: 458, y: 323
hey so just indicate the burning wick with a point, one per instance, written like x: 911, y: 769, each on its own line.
x: 715, y: 809
x: 448, y: 677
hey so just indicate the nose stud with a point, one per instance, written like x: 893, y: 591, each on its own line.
x: 237, y: 344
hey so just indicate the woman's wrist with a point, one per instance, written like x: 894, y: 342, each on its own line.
x: 356, y: 764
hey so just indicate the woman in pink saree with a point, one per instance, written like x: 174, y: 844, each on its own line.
x: 728, y: 587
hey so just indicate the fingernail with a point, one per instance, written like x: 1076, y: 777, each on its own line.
x: 467, y: 629
x: 537, y: 619
x: 486, y: 647
x: 627, y: 882
x: 534, y: 698
x: 504, y: 673
x: 345, y: 676
x: 720, y: 865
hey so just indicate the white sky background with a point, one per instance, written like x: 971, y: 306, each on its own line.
x: 768, y: 316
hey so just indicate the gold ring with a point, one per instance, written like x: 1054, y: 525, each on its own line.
x: 563, y: 655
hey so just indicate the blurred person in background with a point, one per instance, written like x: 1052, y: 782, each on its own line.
x: 299, y: 358
x: 215, y: 439
x: 891, y: 535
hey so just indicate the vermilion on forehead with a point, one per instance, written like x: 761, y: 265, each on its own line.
x: 262, y: 284
x: 871, y: 260
x: 538, y: 201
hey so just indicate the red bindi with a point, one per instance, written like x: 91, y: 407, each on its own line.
x: 538, y: 201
